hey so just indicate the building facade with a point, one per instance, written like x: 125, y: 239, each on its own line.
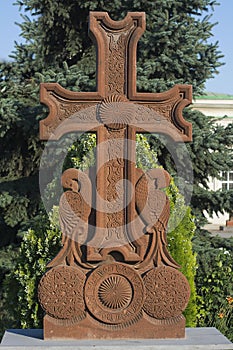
x: 218, y: 106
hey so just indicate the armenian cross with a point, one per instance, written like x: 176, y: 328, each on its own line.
x: 109, y: 278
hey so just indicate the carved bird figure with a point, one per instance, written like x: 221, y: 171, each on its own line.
x: 75, y: 204
x: 153, y: 207
x: 74, y: 210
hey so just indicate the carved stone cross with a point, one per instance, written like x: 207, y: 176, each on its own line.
x: 122, y: 214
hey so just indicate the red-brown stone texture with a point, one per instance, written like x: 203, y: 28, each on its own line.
x: 114, y: 277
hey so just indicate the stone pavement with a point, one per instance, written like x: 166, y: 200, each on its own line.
x: 196, y: 339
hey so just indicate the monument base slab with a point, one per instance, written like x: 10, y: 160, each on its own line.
x: 144, y: 328
x: 196, y: 338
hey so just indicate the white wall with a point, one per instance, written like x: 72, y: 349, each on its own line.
x: 216, y: 108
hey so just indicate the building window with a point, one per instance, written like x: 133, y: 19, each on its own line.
x: 227, y: 180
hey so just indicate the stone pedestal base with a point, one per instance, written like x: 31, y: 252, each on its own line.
x: 145, y: 327
x: 195, y: 339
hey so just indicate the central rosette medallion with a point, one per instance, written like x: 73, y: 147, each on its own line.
x: 114, y: 293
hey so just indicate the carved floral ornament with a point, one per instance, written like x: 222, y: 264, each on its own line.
x: 61, y: 293
x: 116, y: 112
x: 113, y: 294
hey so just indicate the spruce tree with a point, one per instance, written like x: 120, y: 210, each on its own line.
x: 174, y: 49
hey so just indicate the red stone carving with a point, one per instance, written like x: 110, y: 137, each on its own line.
x: 60, y: 293
x: 154, y: 208
x: 114, y: 276
x: 116, y: 115
x: 167, y: 293
x: 116, y: 75
x: 114, y: 293
x: 74, y: 211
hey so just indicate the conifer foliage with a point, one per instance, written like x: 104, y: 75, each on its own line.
x: 174, y: 49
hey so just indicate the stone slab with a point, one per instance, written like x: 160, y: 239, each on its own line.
x: 196, y: 338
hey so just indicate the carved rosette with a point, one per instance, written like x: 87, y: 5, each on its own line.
x: 60, y: 293
x: 167, y: 292
x: 114, y: 293
x: 115, y: 111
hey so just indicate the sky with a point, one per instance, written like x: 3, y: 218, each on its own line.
x: 223, y: 32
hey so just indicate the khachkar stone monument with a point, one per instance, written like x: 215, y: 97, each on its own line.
x: 114, y: 277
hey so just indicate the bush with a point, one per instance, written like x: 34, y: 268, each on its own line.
x: 180, y: 246
x: 39, y: 245
x: 214, y: 282
x: 8, y: 256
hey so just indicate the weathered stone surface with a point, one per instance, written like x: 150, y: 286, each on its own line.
x: 196, y: 339
x: 114, y: 277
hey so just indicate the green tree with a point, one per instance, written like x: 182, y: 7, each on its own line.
x: 174, y: 49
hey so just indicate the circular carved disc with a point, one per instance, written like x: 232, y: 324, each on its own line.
x: 167, y: 292
x: 114, y: 293
x: 115, y: 112
x: 60, y: 292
